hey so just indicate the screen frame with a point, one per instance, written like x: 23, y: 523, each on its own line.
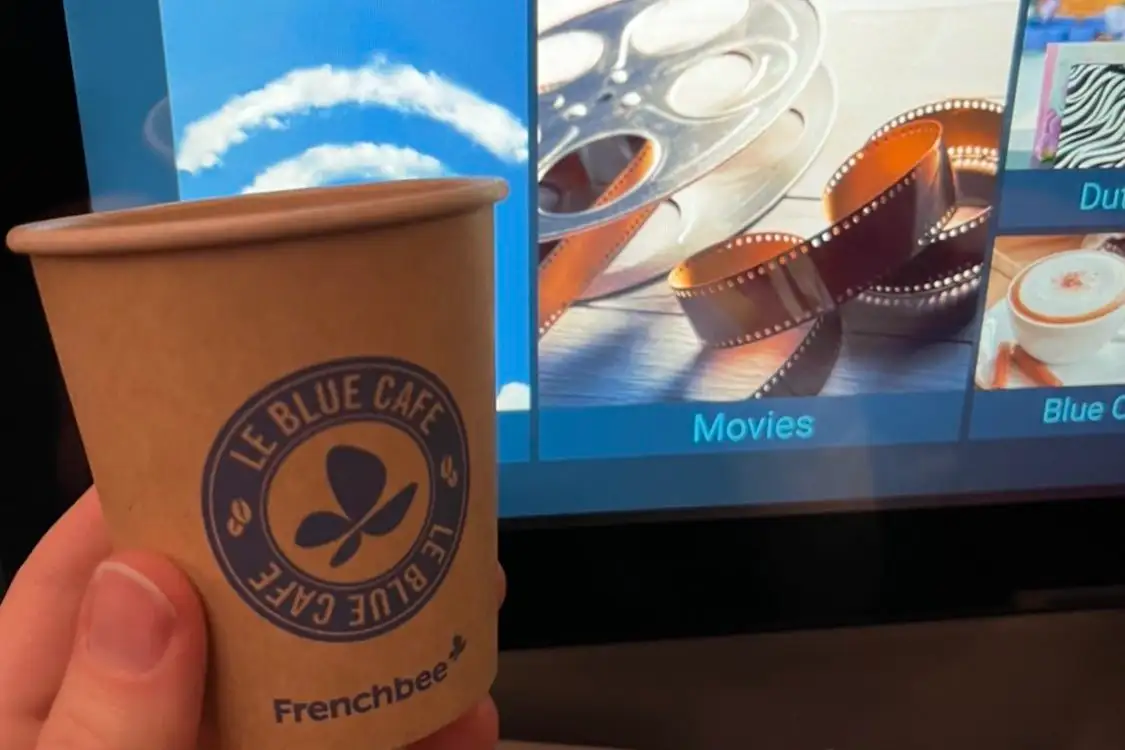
x: 584, y: 580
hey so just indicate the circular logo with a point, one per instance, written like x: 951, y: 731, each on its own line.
x: 335, y: 498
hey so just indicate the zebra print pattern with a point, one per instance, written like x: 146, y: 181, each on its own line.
x: 1115, y: 245
x: 1093, y: 118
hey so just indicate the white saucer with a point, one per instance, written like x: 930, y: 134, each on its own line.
x: 1107, y: 367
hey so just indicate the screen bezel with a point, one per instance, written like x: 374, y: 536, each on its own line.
x: 589, y: 580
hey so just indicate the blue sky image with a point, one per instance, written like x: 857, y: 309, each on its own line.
x: 278, y: 94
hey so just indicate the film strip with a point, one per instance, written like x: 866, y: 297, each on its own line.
x: 971, y: 133
x: 937, y: 291
x: 886, y: 205
x: 909, y: 218
x: 808, y: 368
x: 575, y: 261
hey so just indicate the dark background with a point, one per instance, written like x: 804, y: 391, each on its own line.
x: 43, y: 174
x: 694, y: 578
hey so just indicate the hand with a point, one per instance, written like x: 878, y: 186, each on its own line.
x: 107, y: 651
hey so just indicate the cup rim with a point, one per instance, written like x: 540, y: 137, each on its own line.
x: 260, y: 217
x: 1015, y: 311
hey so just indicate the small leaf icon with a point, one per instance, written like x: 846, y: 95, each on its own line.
x: 320, y: 528
x: 346, y: 551
x: 459, y: 645
x: 357, y: 478
x: 386, y: 519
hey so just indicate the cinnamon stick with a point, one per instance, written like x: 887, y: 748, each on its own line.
x: 1036, y: 371
x: 1001, y: 370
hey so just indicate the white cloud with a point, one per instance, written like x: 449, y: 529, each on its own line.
x: 514, y: 397
x: 328, y: 163
x: 399, y: 87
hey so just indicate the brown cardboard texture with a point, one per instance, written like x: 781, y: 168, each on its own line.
x: 293, y: 396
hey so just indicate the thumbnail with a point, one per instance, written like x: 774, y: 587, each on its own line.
x: 1069, y: 107
x: 1055, y: 313
x: 743, y: 200
x: 342, y: 93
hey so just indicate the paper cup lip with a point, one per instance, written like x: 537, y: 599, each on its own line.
x: 255, y: 218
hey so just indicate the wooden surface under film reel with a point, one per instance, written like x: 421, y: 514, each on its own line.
x: 907, y: 223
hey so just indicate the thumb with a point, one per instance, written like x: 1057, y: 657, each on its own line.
x: 136, y: 675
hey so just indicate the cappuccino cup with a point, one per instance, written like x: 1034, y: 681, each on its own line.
x: 1066, y: 307
x: 292, y: 396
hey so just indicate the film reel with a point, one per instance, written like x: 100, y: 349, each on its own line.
x: 725, y: 202
x: 909, y: 218
x: 631, y: 77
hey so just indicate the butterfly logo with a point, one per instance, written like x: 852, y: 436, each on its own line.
x: 358, y: 479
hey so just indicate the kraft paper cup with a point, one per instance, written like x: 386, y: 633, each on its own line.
x: 293, y: 396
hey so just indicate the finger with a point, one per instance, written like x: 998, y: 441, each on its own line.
x: 479, y: 729
x: 40, y: 613
x: 136, y: 673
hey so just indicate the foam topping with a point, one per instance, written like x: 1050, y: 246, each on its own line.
x: 1072, y: 287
